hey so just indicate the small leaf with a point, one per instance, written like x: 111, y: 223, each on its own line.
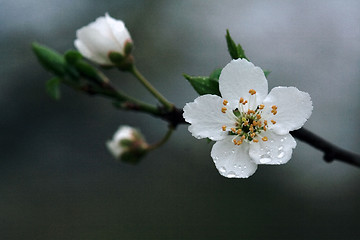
x: 72, y: 56
x: 267, y: 72
x: 53, y: 88
x: 236, y: 51
x: 231, y: 46
x: 50, y: 59
x: 216, y: 74
x: 203, y: 85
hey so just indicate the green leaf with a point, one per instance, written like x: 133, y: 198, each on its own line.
x: 267, y: 72
x: 72, y: 56
x: 231, y: 46
x: 236, y: 51
x: 53, y: 88
x: 50, y: 59
x: 204, y: 85
x: 215, y: 74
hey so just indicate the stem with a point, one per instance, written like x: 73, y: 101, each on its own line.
x: 163, y: 140
x: 151, y: 89
x: 331, y: 151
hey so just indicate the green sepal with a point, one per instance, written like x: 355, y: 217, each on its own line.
x: 235, y: 51
x: 133, y: 157
x: 53, y: 88
x: 128, y: 48
x: 50, y: 59
x: 116, y: 58
x: 204, y: 85
x: 87, y: 71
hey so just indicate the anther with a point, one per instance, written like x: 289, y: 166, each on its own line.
x: 225, y: 102
x: 252, y: 91
x: 238, y: 131
x: 265, y: 122
x: 242, y: 137
x: 258, y: 116
x: 223, y: 109
x: 255, y: 123
x: 275, y: 112
x: 252, y: 135
x: 235, y: 141
x: 264, y: 128
x: 223, y: 128
x: 264, y: 139
x: 233, y: 130
x: 273, y: 122
x: 261, y: 106
x: 251, y: 128
x: 274, y: 107
x: 246, y: 123
x: 245, y: 102
x: 255, y: 140
x: 241, y: 100
x: 239, y: 142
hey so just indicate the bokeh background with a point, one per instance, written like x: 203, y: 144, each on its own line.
x: 57, y: 180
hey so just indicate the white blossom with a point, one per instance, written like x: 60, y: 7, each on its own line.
x: 127, y: 142
x: 100, y: 38
x: 250, y: 125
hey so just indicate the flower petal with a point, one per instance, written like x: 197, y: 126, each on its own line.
x: 294, y: 107
x: 118, y: 30
x: 206, y: 117
x: 238, y: 77
x: 233, y: 161
x: 276, y: 150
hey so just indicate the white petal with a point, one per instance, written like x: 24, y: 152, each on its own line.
x: 88, y: 54
x: 293, y: 109
x: 231, y: 160
x: 276, y: 150
x: 206, y: 117
x: 238, y: 77
x: 118, y: 30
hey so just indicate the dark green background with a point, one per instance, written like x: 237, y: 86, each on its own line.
x: 57, y: 180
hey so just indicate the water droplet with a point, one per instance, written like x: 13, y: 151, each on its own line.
x: 281, y: 148
x: 231, y: 175
x: 281, y: 154
x: 281, y: 140
x: 222, y: 169
x: 265, y: 158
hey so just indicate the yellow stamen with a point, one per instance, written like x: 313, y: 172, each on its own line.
x: 255, y: 140
x: 273, y: 122
x: 265, y: 128
x: 252, y: 91
x: 274, y: 107
x: 238, y: 131
x: 241, y: 100
x: 275, y: 112
x: 252, y: 135
x: 251, y: 128
x: 225, y: 102
x: 239, y: 142
x: 265, y: 122
x: 223, y: 109
x: 258, y: 116
x: 223, y: 128
x: 246, y: 123
x: 264, y: 139
x: 255, y: 123
x: 242, y: 137
x: 233, y: 130
x: 245, y: 102
x: 235, y: 141
x: 261, y: 106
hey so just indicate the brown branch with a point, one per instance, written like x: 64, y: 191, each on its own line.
x: 331, y: 151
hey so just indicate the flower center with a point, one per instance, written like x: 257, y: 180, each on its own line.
x: 249, y: 123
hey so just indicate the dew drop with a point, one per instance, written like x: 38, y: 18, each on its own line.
x: 231, y: 174
x: 281, y: 154
x: 222, y: 169
x: 265, y: 158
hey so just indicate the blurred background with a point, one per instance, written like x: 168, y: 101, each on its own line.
x: 58, y: 181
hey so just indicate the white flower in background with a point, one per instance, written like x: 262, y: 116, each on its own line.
x: 100, y: 38
x: 127, y: 144
x: 249, y: 125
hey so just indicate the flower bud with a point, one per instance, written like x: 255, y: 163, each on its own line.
x: 127, y: 145
x: 103, y: 37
